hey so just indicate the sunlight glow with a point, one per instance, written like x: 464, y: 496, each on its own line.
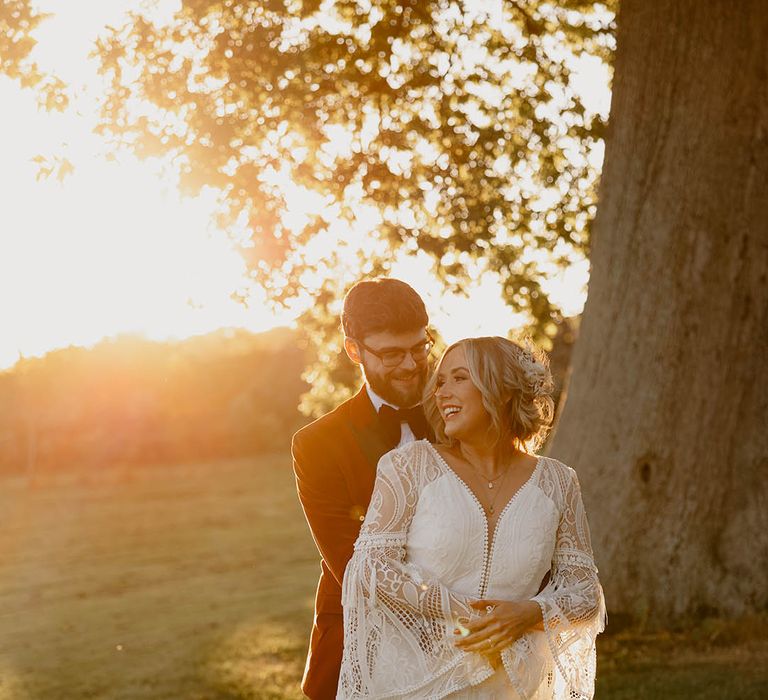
x: 112, y: 248
x: 112, y: 252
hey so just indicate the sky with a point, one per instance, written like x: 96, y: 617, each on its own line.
x: 114, y: 248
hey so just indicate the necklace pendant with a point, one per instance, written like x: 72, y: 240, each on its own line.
x: 490, y: 484
x: 490, y: 509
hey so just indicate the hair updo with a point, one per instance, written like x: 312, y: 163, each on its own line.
x: 516, y: 388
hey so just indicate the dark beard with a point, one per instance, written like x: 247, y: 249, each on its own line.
x: 402, y: 399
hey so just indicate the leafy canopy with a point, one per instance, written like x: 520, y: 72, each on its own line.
x: 18, y: 20
x: 458, y: 123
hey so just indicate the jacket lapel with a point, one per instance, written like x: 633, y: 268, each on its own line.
x: 366, y: 429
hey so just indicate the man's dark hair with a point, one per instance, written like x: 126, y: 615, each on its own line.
x: 382, y: 304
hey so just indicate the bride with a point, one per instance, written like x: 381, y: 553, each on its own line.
x: 473, y: 576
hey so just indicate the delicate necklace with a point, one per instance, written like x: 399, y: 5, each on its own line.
x: 501, y: 476
x: 490, y: 483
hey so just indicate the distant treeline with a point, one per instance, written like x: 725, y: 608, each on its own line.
x: 130, y: 401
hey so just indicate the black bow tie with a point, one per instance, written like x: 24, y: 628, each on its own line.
x: 391, y: 418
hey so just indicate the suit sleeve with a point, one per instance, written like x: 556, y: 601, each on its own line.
x: 333, y: 520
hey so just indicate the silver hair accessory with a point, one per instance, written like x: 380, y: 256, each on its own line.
x: 535, y: 372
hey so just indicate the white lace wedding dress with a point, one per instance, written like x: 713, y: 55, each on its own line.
x: 424, y: 553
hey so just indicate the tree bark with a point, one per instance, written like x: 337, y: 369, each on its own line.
x: 666, y: 419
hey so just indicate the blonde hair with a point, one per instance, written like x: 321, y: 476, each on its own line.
x: 516, y: 388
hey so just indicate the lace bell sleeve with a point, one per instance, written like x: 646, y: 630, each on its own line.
x: 572, y: 602
x: 398, y: 621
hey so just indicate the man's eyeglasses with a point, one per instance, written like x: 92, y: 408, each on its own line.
x: 392, y: 358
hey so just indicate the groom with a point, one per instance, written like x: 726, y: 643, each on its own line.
x: 334, y: 458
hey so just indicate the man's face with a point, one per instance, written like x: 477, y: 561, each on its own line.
x: 403, y: 384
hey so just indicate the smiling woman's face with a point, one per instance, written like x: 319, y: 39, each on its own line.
x: 459, y: 400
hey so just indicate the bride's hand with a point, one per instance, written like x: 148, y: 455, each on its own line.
x: 505, y: 622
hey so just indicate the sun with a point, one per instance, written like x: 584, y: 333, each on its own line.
x: 111, y: 250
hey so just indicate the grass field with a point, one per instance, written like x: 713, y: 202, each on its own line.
x: 196, y: 583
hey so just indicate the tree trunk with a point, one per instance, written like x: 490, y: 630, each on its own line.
x: 666, y: 419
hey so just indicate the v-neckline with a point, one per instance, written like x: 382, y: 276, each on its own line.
x: 490, y: 537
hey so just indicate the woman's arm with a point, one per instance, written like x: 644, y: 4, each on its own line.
x: 378, y: 570
x: 573, y: 595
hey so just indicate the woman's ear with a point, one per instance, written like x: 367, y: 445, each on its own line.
x: 353, y: 351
